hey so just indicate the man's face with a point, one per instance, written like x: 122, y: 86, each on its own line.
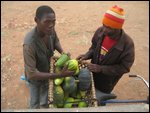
x: 108, y: 31
x: 46, y: 23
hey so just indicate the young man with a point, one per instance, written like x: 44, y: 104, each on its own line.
x: 38, y: 48
x: 112, y: 51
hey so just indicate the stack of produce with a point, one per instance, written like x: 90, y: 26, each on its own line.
x: 71, y: 91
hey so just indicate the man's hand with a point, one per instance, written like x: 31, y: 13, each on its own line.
x: 86, y: 56
x: 68, y: 53
x: 94, y: 67
x: 65, y: 72
x: 82, y: 57
x: 55, y: 57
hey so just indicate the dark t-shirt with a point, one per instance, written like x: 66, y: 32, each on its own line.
x: 36, y: 53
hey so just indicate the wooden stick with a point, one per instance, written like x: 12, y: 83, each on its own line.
x: 93, y: 91
x: 50, y: 93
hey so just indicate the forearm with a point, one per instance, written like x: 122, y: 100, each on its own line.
x: 89, y: 54
x: 45, y: 76
x: 42, y: 76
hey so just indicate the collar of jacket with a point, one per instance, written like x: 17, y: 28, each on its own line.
x: 120, y: 43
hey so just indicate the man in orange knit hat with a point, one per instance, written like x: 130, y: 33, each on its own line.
x: 112, y: 51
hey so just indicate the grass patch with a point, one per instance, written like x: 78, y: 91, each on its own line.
x: 4, y: 34
x: 73, y: 33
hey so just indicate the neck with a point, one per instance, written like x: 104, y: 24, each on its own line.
x: 116, y: 35
x: 40, y: 33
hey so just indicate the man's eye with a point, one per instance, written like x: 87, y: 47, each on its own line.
x: 49, y: 22
x: 46, y: 22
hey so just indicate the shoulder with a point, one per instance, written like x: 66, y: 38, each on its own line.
x: 54, y: 36
x: 29, y: 37
x: 127, y: 38
x: 99, y: 30
x: 98, y: 34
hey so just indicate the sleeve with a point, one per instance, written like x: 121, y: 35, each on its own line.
x: 57, y: 45
x: 29, y: 60
x: 94, y: 42
x: 56, y: 41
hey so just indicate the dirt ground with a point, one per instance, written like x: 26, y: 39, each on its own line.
x: 75, y: 26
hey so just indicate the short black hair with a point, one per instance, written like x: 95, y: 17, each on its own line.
x: 42, y: 10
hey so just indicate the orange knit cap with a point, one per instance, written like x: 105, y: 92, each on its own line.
x: 114, y: 17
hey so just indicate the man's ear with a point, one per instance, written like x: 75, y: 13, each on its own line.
x: 36, y: 19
